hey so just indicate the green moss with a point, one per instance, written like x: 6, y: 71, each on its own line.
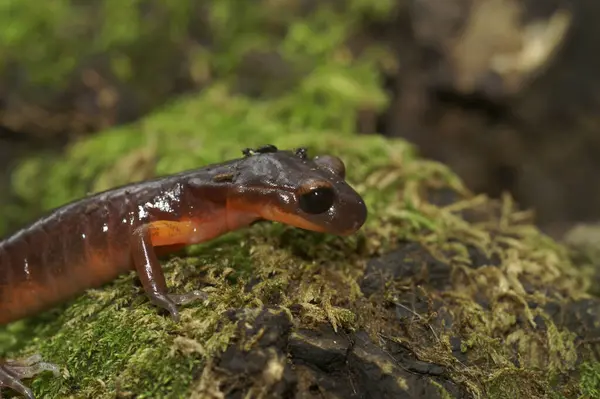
x: 151, y: 46
x: 443, y: 393
x: 50, y: 40
x: 590, y: 380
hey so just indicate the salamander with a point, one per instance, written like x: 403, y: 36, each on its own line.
x: 91, y: 241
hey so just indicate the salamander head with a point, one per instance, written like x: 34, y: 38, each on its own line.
x: 289, y: 187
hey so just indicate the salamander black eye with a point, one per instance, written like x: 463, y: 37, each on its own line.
x: 317, y: 200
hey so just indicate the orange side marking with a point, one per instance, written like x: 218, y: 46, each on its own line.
x: 164, y: 233
x: 241, y: 208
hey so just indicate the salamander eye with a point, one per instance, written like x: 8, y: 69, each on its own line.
x: 332, y: 163
x: 317, y: 200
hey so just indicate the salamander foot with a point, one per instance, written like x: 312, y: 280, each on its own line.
x: 13, y: 371
x: 182, y: 299
x: 170, y: 302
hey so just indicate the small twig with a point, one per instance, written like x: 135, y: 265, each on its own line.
x: 421, y: 318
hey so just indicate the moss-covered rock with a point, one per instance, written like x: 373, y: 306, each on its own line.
x: 441, y: 294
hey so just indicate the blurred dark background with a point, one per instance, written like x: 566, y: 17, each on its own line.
x: 506, y: 92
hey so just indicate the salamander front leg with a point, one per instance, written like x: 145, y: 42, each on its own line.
x: 149, y: 269
x: 13, y: 371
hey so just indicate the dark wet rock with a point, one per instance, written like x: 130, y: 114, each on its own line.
x: 262, y: 363
x: 409, y: 260
x: 321, y: 362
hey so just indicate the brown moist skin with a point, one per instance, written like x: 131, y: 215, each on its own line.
x: 82, y: 245
x: 90, y: 242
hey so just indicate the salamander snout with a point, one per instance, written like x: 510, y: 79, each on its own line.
x: 321, y: 204
x: 334, y: 209
x: 350, y: 222
x: 347, y: 213
x: 328, y: 201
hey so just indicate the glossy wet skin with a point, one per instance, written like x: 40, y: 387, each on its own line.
x: 291, y: 188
